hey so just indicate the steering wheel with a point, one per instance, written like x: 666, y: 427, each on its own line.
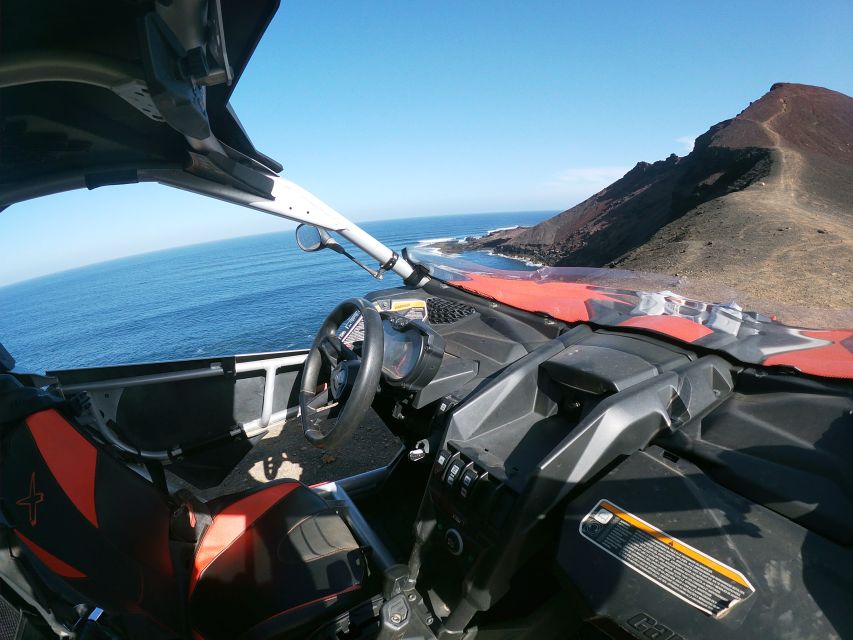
x: 342, y: 404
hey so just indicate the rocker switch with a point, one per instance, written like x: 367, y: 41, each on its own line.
x: 453, y: 472
x: 468, y: 480
x: 441, y: 460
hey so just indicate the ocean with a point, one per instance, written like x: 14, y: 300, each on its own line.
x: 244, y: 295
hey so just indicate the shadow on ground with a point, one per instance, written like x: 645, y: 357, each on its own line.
x: 284, y: 453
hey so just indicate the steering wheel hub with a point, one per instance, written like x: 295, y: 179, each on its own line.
x: 340, y: 382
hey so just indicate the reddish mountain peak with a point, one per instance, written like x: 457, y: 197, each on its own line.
x: 798, y: 116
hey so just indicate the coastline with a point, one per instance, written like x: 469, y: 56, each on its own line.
x: 488, y: 243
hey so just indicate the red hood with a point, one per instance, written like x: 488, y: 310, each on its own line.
x: 569, y: 295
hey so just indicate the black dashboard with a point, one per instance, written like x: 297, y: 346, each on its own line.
x: 546, y: 436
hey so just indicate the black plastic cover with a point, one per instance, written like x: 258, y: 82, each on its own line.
x: 784, y: 442
x: 609, y: 363
x: 18, y: 401
x: 53, y: 130
x: 7, y: 362
x: 803, y: 582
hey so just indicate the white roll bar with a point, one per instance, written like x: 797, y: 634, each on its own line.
x: 291, y: 201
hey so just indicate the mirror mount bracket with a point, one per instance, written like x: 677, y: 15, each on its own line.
x: 376, y: 273
x: 325, y: 241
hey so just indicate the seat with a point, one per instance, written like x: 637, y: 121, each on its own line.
x: 277, y: 558
x: 267, y: 563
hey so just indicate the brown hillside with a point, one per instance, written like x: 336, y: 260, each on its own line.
x: 763, y: 203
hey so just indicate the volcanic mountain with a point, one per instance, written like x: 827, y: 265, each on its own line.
x: 763, y: 203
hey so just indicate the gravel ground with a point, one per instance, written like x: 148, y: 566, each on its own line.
x: 284, y: 453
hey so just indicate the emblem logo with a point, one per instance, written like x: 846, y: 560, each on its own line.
x: 32, y: 501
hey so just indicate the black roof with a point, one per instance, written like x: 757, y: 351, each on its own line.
x: 94, y: 91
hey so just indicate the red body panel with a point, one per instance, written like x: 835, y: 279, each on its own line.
x: 71, y: 458
x: 758, y: 340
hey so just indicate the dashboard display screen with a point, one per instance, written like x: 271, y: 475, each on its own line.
x: 402, y: 350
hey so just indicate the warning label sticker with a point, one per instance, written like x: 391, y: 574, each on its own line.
x: 352, y: 330
x: 695, y: 577
x: 411, y: 309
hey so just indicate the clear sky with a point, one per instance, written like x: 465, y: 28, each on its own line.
x: 412, y: 108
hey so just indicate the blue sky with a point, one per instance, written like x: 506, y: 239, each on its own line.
x: 412, y: 108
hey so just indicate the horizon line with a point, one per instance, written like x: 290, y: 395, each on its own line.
x: 256, y: 235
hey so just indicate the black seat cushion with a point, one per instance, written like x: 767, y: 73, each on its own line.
x: 271, y: 560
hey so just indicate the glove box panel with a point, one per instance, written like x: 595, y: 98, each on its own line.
x: 801, y: 583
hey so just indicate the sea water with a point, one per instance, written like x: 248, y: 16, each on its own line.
x: 245, y: 295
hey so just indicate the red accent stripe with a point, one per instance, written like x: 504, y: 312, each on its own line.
x: 53, y: 563
x: 232, y: 522
x: 673, y: 326
x: 334, y: 596
x: 832, y: 358
x: 71, y: 458
x: 562, y: 300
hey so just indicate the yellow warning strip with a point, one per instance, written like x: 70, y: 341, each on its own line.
x: 678, y: 546
x: 405, y: 305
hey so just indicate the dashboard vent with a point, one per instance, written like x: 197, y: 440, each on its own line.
x: 440, y: 311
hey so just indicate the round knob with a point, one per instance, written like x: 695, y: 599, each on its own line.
x: 454, y: 543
